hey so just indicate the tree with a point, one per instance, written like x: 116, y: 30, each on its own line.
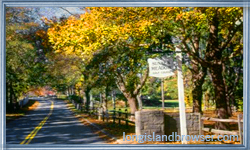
x: 20, y: 53
x: 92, y: 34
x: 126, y: 33
x: 206, y: 34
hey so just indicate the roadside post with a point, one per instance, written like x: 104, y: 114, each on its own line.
x: 182, y: 109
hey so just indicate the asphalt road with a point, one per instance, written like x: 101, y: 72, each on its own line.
x: 50, y: 123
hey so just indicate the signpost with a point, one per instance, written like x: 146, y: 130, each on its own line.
x: 181, y: 95
x: 163, y: 67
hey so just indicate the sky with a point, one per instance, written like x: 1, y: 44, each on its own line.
x: 58, y: 12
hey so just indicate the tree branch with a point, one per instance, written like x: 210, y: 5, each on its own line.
x: 194, y: 55
x: 143, y: 81
x: 68, y: 11
x: 120, y: 83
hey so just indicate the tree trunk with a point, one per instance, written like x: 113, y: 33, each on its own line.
x: 214, y: 56
x: 220, y: 96
x: 229, y: 110
x: 131, y: 95
x: 198, y: 76
x: 104, y: 101
x: 73, y: 89
x: 87, y: 96
x: 139, y: 101
x: 132, y: 101
x: 227, y: 92
x: 69, y: 90
x: 197, y: 98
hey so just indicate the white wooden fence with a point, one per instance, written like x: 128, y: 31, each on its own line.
x: 216, y: 131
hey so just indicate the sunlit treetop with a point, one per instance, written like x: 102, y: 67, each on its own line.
x: 110, y: 27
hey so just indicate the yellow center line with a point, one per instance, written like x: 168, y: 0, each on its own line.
x: 34, y: 132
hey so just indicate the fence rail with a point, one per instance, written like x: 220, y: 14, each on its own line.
x: 217, y: 131
x: 116, y: 116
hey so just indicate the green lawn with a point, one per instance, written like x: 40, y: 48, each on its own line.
x: 63, y: 97
x: 170, y: 101
x: 168, y: 104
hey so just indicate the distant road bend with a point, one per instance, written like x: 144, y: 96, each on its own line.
x: 50, y: 123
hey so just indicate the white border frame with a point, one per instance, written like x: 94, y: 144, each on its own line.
x: 135, y: 3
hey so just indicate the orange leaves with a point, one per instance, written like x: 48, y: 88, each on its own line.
x: 179, y: 17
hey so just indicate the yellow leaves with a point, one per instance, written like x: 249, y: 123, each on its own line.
x: 101, y: 26
x: 57, y: 51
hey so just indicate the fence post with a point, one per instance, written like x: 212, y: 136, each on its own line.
x: 102, y: 115
x: 107, y: 115
x: 126, y: 117
x: 240, y: 129
x: 201, y: 125
x: 99, y: 113
x: 119, y: 113
x: 89, y: 111
x: 96, y: 112
x: 114, y: 116
x: 92, y: 111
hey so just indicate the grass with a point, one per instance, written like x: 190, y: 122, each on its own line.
x: 170, y: 104
x: 170, y: 101
x: 62, y: 97
x: 32, y: 104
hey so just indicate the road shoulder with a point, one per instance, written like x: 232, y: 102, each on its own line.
x: 11, y: 116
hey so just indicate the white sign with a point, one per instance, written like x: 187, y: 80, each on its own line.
x: 161, y: 67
